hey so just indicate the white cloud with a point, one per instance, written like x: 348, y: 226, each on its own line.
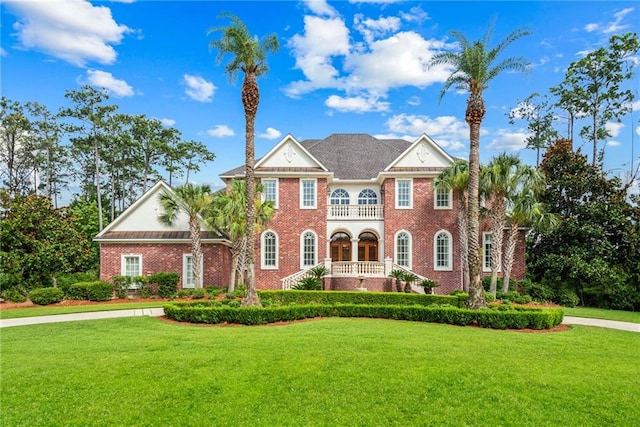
x: 414, y: 101
x: 271, y: 133
x: 73, y: 30
x: 614, y: 26
x: 106, y: 80
x: 321, y: 8
x: 416, y: 14
x: 638, y: 130
x: 613, y: 143
x: 613, y: 128
x: 221, y: 131
x: 447, y: 131
x: 198, y: 88
x: 636, y: 105
x: 356, y: 104
x: 167, y: 122
x: 373, y: 28
x: 508, y: 140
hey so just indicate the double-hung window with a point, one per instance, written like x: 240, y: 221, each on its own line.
x: 269, y: 249
x: 308, y: 193
x: 442, y: 250
x: 442, y: 199
x: 308, y: 242
x: 403, y: 249
x: 132, y: 265
x: 270, y: 190
x: 404, y: 194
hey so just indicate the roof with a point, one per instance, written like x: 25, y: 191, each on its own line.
x: 350, y: 156
x: 156, y: 235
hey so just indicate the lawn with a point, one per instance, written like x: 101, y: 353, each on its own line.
x: 601, y: 313
x: 326, y: 372
x: 47, y: 310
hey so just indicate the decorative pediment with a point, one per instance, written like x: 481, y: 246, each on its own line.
x: 423, y: 153
x: 288, y: 153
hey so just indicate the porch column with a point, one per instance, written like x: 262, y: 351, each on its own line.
x: 354, y: 256
x: 388, y: 266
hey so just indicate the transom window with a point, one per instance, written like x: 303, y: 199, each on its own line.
x: 443, y: 252
x: 403, y: 193
x: 270, y: 190
x: 443, y: 199
x: 307, y: 193
x: 403, y: 249
x: 269, y: 250
x: 309, y: 258
x: 367, y: 197
x: 340, y: 197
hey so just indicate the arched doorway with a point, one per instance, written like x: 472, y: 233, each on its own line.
x: 367, y: 247
x: 340, y: 247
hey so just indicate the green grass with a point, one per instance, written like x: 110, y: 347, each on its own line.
x: 13, y: 313
x: 327, y: 372
x: 601, y: 313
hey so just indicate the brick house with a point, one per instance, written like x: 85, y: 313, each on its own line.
x: 358, y: 205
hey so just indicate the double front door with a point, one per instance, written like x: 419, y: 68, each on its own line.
x: 341, y: 247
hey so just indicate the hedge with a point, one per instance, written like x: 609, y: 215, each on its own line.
x: 207, y: 312
x: 92, y: 291
x: 372, y: 298
x: 46, y: 296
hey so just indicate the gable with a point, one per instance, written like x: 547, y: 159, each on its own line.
x: 423, y: 153
x: 289, y: 154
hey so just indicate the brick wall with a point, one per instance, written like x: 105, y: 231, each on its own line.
x: 167, y: 257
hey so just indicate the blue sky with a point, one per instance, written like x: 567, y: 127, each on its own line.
x: 347, y: 66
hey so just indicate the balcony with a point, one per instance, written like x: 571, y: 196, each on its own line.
x: 355, y: 212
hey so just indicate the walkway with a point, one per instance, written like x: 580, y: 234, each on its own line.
x: 156, y: 312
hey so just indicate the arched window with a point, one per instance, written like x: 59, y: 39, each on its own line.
x: 308, y: 256
x: 340, y: 197
x: 367, y: 197
x: 442, y: 251
x: 269, y: 250
x: 403, y: 249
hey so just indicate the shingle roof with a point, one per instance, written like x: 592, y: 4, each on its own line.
x: 156, y: 235
x: 349, y: 155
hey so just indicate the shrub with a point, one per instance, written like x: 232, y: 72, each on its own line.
x: 428, y: 285
x: 213, y: 291
x: 184, y: 293
x: 92, y: 291
x: 121, y: 285
x: 199, y: 293
x: 143, y: 286
x: 46, y: 296
x: 309, y: 283
x: 488, y: 296
x: 539, y: 292
x: 167, y: 283
x: 15, y: 294
x: 10, y: 281
x: 513, y: 296
x: 567, y: 298
x: 239, y: 292
x: 345, y: 297
x: 64, y: 281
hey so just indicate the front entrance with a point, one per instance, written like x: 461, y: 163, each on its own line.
x: 340, y: 247
x: 367, y: 247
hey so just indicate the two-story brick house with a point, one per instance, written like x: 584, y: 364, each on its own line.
x: 359, y: 205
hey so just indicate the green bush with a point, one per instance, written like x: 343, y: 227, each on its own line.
x: 346, y: 297
x: 184, y: 293
x: 567, y: 298
x: 213, y: 291
x: 64, y: 281
x: 46, y: 296
x: 309, y: 283
x: 15, y: 294
x: 92, y: 291
x: 143, y: 286
x: 488, y: 297
x: 239, y: 292
x: 167, y: 283
x: 539, y: 292
x: 514, y: 296
x: 121, y: 285
x: 10, y: 281
x: 198, y: 293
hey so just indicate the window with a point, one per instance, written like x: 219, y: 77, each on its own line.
x: 307, y: 193
x: 269, y: 250
x: 403, y: 194
x: 132, y: 265
x: 442, y: 199
x: 308, y: 244
x: 270, y: 190
x: 486, y: 253
x: 442, y: 251
x: 188, y: 280
x: 403, y: 249
x: 367, y: 197
x: 340, y: 197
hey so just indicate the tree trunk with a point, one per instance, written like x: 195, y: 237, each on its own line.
x: 96, y: 154
x: 196, y: 249
x: 474, y: 115
x: 250, y: 101
x: 464, y: 244
x: 497, y: 230
x: 508, y: 256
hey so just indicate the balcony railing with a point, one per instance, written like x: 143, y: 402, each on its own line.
x: 355, y: 212
x: 361, y: 268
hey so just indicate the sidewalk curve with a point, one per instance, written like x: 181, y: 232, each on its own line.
x: 156, y: 312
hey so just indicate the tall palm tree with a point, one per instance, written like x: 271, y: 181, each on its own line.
x: 473, y: 67
x: 525, y: 210
x: 249, y: 56
x: 456, y: 178
x: 195, y: 201
x: 228, y: 216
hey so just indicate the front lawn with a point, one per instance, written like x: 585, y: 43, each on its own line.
x: 330, y: 372
x: 46, y: 310
x: 601, y: 313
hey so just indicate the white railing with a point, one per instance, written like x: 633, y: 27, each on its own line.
x: 290, y: 281
x: 358, y: 268
x: 355, y: 212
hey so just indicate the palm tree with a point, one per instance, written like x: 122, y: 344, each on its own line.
x: 456, y: 178
x: 228, y: 216
x: 249, y: 56
x: 473, y: 67
x: 195, y: 201
x: 525, y: 210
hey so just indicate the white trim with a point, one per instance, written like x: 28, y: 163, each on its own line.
x: 185, y: 272
x: 449, y: 205
x: 263, y: 266
x: 410, y: 181
x: 289, y: 138
x: 421, y: 138
x: 449, y: 266
x: 315, y: 249
x: 409, y: 248
x: 277, y: 191
x: 123, y: 263
x: 315, y: 192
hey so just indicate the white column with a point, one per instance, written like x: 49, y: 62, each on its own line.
x: 354, y: 256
